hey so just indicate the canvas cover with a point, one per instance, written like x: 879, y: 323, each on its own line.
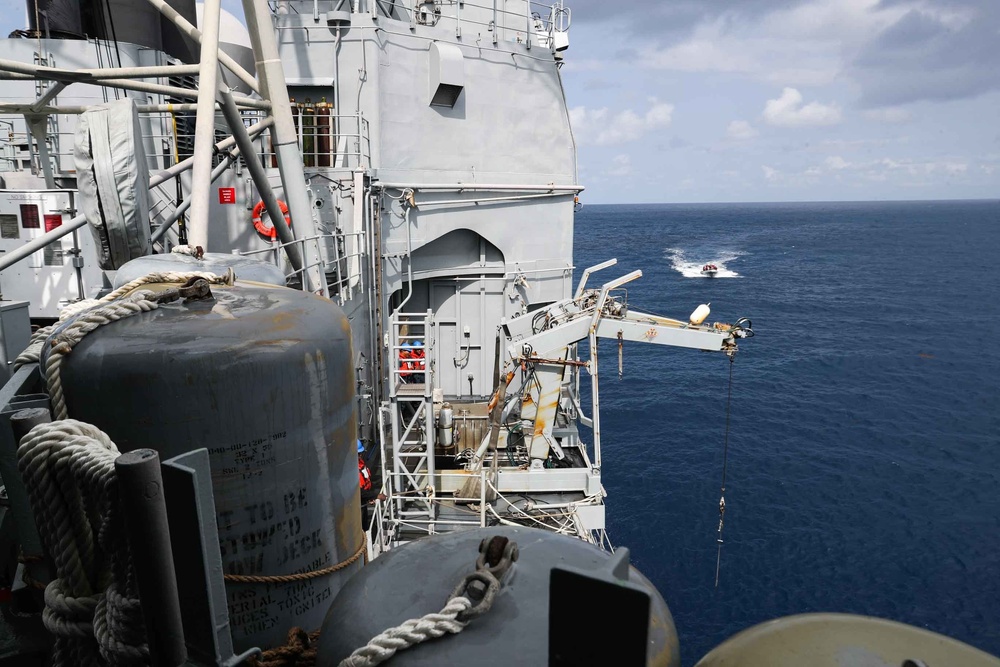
x: 113, y: 181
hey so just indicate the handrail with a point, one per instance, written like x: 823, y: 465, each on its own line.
x: 79, y: 221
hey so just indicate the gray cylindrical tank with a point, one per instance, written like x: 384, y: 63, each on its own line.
x: 263, y: 377
x: 246, y: 268
x: 417, y: 578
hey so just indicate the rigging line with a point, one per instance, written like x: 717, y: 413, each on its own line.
x: 725, y: 465
x: 114, y: 34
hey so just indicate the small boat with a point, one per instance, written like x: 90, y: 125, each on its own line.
x: 709, y: 270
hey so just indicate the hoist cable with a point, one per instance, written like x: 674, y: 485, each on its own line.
x: 725, y: 465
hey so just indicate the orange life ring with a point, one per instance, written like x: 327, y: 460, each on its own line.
x: 265, y: 229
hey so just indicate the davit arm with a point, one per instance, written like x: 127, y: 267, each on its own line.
x: 542, y: 341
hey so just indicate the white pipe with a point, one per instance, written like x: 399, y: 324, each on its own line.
x: 15, y: 256
x: 185, y: 27
x: 409, y: 263
x: 124, y: 83
x: 60, y: 74
x: 286, y: 139
x: 143, y: 108
x: 204, y: 133
x: 49, y: 94
x: 589, y: 270
x: 534, y: 187
x: 483, y: 200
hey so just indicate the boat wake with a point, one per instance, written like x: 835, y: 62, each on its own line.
x: 691, y: 267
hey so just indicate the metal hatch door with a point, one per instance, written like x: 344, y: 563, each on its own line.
x: 476, y: 304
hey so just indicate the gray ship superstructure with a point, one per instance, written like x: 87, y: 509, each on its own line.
x: 170, y: 177
x: 302, y: 296
x: 431, y: 186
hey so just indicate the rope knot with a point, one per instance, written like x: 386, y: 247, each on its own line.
x: 67, y: 616
x: 299, y: 650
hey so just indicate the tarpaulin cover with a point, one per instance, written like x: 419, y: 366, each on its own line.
x: 113, y: 180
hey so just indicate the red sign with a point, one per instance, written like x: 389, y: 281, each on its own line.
x: 52, y: 221
x: 227, y: 195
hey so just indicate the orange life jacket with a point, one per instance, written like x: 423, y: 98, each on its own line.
x: 364, y: 475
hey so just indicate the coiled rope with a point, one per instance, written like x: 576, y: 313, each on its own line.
x: 496, y: 556
x: 383, y: 646
x: 80, y: 318
x: 32, y: 353
x: 91, y: 606
x: 71, y: 334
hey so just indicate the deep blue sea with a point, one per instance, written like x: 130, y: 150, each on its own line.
x: 864, y: 455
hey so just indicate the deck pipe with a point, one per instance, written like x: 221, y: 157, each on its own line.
x: 140, y: 491
x: 259, y: 176
x: 285, y: 137
x: 21, y: 422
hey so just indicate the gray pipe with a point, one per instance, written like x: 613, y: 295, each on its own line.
x: 140, y: 489
x: 186, y: 28
x: 286, y: 139
x: 257, y: 173
x: 31, y: 543
x: 219, y: 170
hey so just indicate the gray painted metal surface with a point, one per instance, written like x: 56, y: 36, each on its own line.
x: 140, y: 488
x: 21, y: 392
x: 187, y: 481
x: 417, y: 578
x: 262, y: 377
x: 15, y: 332
x: 213, y: 262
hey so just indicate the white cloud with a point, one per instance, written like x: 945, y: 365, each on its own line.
x: 889, y: 115
x: 703, y: 53
x: 837, y: 163
x: 788, y: 111
x: 955, y: 168
x: 621, y: 165
x: 770, y: 173
x: 598, y: 126
x: 808, y: 43
x: 740, y: 129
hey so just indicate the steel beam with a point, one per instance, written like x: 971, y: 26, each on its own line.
x: 286, y: 140
x: 259, y: 176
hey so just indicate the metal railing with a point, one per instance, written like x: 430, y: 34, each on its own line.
x: 391, y: 526
x: 326, y: 140
x: 342, y: 256
x: 530, y: 23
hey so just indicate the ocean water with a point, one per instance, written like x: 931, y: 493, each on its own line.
x: 864, y: 455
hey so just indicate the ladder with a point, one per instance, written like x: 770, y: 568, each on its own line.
x: 412, y: 418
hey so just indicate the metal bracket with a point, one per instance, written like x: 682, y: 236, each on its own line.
x: 187, y: 482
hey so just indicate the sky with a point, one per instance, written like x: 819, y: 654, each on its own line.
x: 785, y: 100
x: 778, y: 100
